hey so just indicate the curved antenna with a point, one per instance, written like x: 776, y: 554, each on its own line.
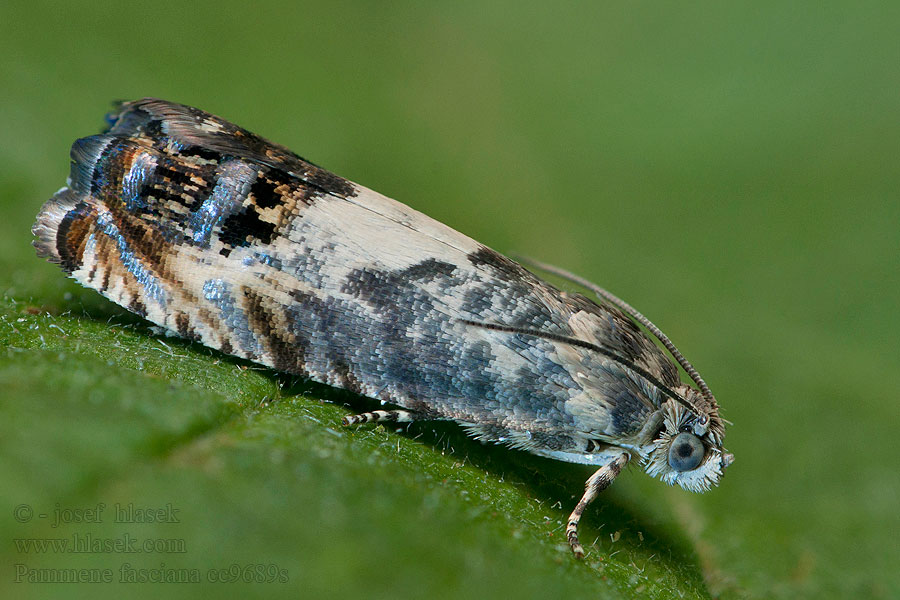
x: 555, y: 337
x: 621, y: 304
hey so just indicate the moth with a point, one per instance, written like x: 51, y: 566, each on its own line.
x: 223, y: 237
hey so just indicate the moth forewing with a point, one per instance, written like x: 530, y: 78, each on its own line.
x: 223, y: 237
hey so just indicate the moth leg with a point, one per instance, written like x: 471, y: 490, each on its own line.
x: 380, y: 416
x: 597, y: 482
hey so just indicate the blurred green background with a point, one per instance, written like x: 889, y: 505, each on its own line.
x: 729, y: 168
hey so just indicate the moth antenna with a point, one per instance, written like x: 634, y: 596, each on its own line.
x: 618, y: 302
x: 563, y: 339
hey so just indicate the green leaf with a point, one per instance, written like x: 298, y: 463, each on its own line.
x: 259, y: 472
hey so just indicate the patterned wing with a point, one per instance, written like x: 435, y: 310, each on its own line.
x: 211, y: 231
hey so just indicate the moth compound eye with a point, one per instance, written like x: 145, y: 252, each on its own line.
x: 686, y: 452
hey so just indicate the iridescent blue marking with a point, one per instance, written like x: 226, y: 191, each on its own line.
x: 268, y: 260
x: 91, y: 244
x: 146, y: 279
x: 263, y: 258
x: 142, y: 167
x: 233, y: 181
x: 233, y: 318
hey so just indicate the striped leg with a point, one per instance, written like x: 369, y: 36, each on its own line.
x: 597, y: 482
x: 380, y: 416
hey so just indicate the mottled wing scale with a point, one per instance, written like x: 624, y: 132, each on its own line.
x: 215, y: 233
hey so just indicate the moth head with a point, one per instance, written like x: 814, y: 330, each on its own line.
x: 688, y: 448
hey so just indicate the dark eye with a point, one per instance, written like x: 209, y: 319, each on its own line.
x: 686, y: 452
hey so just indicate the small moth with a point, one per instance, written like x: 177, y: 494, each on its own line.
x: 223, y: 237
